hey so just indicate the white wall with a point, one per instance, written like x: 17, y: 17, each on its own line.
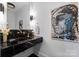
x: 50, y: 47
x: 3, y: 17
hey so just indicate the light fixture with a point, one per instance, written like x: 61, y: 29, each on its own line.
x: 10, y: 5
x: 31, y: 17
x: 32, y: 14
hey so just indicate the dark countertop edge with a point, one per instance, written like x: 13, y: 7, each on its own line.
x: 20, y: 42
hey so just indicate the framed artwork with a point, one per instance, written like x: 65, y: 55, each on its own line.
x: 64, y: 24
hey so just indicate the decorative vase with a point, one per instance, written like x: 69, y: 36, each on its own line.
x: 5, y: 33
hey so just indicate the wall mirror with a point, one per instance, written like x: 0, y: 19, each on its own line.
x: 18, y: 15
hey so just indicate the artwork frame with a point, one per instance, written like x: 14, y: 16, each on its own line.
x: 64, y: 24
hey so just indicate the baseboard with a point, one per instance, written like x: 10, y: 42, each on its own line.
x: 42, y: 54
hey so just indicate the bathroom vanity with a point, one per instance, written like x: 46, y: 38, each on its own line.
x: 16, y: 45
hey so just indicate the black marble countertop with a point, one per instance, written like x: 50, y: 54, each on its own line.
x: 9, y: 49
x: 6, y: 45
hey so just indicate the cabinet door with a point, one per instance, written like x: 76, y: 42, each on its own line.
x: 8, y: 52
x: 25, y: 53
x: 20, y: 48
